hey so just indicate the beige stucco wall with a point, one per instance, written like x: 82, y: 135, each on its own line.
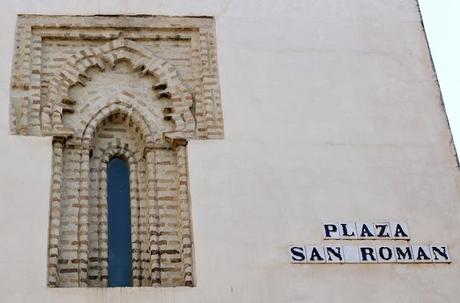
x: 331, y: 113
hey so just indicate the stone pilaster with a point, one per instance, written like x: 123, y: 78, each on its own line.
x: 83, y: 222
x: 103, y: 225
x: 55, y: 215
x: 135, y: 241
x: 184, y: 205
x: 153, y: 218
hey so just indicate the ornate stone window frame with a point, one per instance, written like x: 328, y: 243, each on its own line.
x: 149, y: 128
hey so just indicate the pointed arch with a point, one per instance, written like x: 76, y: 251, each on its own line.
x: 167, y: 85
x: 150, y: 136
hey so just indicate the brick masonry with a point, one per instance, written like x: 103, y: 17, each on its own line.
x: 134, y: 87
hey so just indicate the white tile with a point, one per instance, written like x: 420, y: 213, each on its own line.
x: 382, y: 231
x: 331, y: 231
x: 347, y: 230
x: 422, y: 253
x: 365, y: 230
x: 334, y: 254
x: 440, y: 254
x: 404, y: 254
x: 399, y: 231
x: 351, y: 253
x: 297, y: 254
x: 315, y: 254
x: 385, y: 254
x: 367, y: 254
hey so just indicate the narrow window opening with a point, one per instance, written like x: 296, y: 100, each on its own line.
x: 119, y: 223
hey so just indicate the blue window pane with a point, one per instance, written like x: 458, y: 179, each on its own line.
x: 119, y: 221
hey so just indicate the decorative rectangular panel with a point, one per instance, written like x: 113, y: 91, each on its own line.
x: 45, y: 43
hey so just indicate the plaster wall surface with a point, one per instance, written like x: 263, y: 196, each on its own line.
x: 332, y: 113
